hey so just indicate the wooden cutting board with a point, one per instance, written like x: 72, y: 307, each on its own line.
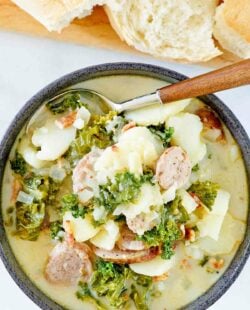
x: 94, y: 30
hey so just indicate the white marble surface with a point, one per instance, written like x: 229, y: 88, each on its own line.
x: 28, y: 64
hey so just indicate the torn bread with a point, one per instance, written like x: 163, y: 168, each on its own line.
x: 232, y: 27
x: 57, y: 14
x: 177, y: 29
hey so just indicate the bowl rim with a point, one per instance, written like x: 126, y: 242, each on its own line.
x: 107, y: 69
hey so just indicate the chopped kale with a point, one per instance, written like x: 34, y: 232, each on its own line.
x: 205, y: 191
x: 19, y: 165
x: 85, y: 294
x: 29, y: 219
x: 71, y: 203
x: 114, y: 283
x: 56, y: 230
x: 165, y: 134
x: 95, y: 134
x: 165, y: 234
x: 196, y: 168
x: 204, y: 261
x: 70, y: 101
x: 178, y: 212
x: 124, y: 189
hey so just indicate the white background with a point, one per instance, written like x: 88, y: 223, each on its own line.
x: 28, y: 64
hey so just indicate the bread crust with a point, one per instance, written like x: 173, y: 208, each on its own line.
x: 237, y: 16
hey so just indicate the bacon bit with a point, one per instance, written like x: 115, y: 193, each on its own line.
x: 216, y: 263
x: 66, y: 121
x: 185, y: 264
x: 16, y: 187
x: 162, y: 277
x: 189, y: 234
x: 129, y: 126
x: 114, y: 148
x: 211, y: 121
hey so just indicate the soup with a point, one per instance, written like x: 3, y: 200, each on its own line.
x: 140, y: 210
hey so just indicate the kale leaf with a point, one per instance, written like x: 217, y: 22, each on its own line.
x: 205, y: 191
x: 113, y: 282
x: 29, y: 219
x: 71, y: 203
x: 55, y: 230
x: 95, y: 134
x: 19, y: 165
x: 70, y: 101
x: 165, y: 134
x: 124, y: 189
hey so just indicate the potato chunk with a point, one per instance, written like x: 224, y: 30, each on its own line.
x: 187, y: 134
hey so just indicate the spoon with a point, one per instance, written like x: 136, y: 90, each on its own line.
x: 228, y: 77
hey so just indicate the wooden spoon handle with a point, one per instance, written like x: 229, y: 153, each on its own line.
x: 228, y: 77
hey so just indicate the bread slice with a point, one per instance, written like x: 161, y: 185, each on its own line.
x: 232, y: 27
x: 177, y: 29
x: 57, y: 14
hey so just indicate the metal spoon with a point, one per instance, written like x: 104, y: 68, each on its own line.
x: 225, y: 78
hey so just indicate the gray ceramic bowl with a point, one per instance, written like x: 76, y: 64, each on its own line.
x: 220, y: 287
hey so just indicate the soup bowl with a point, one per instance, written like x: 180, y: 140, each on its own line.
x: 169, y: 76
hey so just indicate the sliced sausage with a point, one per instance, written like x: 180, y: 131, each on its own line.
x: 127, y: 257
x: 127, y: 241
x: 213, y: 129
x: 83, y: 174
x: 173, y: 168
x: 67, y: 264
x: 141, y: 223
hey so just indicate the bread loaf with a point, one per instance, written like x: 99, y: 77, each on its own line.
x: 232, y: 27
x: 57, y: 14
x: 178, y: 29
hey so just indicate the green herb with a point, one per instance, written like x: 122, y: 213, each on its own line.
x: 138, y: 299
x: 29, y: 219
x: 177, y: 211
x: 113, y: 282
x: 70, y: 101
x: 85, y: 294
x: 205, y: 191
x: 124, y: 189
x: 165, y: 234
x: 95, y: 134
x: 196, y: 168
x: 204, y: 260
x: 19, y: 165
x: 165, y: 134
x: 55, y: 230
x: 70, y: 203
x: 209, y: 156
x: 109, y: 280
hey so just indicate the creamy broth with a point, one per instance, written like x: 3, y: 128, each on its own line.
x: 186, y: 282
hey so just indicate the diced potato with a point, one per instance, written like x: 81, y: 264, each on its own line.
x: 187, y: 134
x: 188, y: 201
x: 155, y: 267
x: 29, y: 153
x: 85, y: 195
x: 232, y: 231
x: 169, y: 194
x: 210, y: 225
x: 82, y: 229
x: 157, y: 113
x: 106, y: 238
x: 53, y: 141
x: 150, y: 196
x: 137, y: 147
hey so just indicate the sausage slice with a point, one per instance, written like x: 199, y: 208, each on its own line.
x: 127, y: 257
x: 173, y: 168
x: 67, y: 264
